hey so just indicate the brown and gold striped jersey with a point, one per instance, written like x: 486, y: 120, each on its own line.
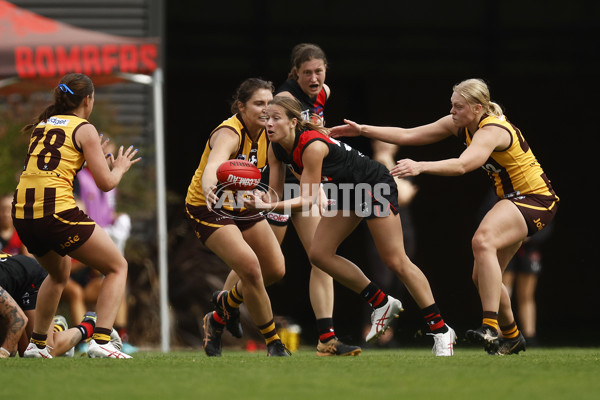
x: 514, y: 170
x: 254, y: 151
x: 52, y: 161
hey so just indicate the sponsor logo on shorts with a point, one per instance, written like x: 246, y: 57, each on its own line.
x: 278, y: 217
x: 539, y: 224
x: 70, y: 241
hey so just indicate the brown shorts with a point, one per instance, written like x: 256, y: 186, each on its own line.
x: 62, y: 232
x: 207, y: 222
x: 538, y: 210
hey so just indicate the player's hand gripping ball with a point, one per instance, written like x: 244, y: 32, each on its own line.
x: 238, y: 175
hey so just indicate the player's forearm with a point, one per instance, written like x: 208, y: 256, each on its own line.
x: 449, y: 167
x: 386, y: 134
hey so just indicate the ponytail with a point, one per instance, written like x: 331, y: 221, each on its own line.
x: 476, y: 91
x: 293, y: 109
x: 68, y: 95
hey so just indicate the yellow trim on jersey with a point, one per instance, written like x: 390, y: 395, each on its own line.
x: 53, y: 159
x: 254, y: 151
x: 514, y: 169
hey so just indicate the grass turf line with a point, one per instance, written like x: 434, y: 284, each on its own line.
x: 540, y: 373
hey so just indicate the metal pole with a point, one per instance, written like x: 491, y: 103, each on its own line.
x: 161, y: 200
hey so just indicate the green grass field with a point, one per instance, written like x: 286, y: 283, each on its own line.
x: 540, y: 373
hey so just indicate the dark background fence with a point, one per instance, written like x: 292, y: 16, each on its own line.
x: 394, y: 63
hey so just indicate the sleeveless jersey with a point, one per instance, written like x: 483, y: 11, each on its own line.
x: 46, y: 183
x: 248, y: 149
x: 312, y: 110
x: 514, y: 170
x: 310, y: 106
x: 343, y: 164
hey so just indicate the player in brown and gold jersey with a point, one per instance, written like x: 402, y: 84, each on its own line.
x: 51, y: 225
x: 241, y: 238
x: 526, y: 201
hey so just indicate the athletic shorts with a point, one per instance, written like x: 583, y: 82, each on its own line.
x: 276, y: 219
x: 538, y: 210
x: 206, y: 222
x: 363, y: 200
x: 273, y: 217
x: 527, y: 261
x: 26, y: 276
x: 62, y: 232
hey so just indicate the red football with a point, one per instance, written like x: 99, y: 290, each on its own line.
x: 238, y: 175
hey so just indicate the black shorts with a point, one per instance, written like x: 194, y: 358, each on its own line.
x: 207, y: 222
x: 21, y: 276
x: 364, y: 200
x: 538, y: 210
x: 276, y: 219
x: 62, y: 232
x: 273, y: 217
x: 528, y: 260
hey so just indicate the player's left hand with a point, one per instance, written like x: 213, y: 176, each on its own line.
x: 254, y: 200
x: 405, y: 168
x: 350, y: 129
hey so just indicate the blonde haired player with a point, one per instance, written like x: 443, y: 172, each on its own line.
x: 526, y: 201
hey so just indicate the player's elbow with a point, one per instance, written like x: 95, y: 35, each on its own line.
x: 461, y: 167
x: 460, y: 170
x: 105, y: 185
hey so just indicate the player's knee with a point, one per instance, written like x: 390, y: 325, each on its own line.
x: 251, y: 274
x: 59, y: 279
x: 480, y: 243
x: 274, y: 274
x: 320, y: 257
x: 118, y: 266
x: 400, y: 264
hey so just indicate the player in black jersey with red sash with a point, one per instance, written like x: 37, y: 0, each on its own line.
x: 306, y: 83
x: 526, y: 200
x: 362, y: 188
x: 20, y: 280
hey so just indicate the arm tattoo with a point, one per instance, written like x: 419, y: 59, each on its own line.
x: 10, y: 311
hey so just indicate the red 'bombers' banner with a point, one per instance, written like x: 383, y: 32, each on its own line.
x: 32, y: 46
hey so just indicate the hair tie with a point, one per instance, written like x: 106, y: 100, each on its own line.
x: 65, y: 88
